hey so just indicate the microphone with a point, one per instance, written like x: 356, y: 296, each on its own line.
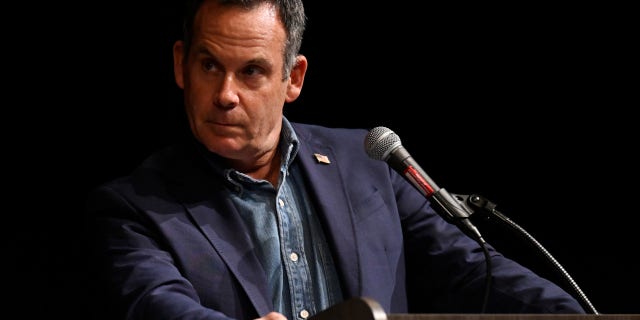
x: 382, y: 143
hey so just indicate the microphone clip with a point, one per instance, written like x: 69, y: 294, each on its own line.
x: 456, y: 209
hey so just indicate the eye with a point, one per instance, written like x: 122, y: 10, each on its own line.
x: 209, y: 65
x: 252, y: 71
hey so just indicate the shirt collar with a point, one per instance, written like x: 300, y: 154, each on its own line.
x: 289, y: 143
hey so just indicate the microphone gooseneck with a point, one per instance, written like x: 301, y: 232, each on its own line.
x: 382, y: 143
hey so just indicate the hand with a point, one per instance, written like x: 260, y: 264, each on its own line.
x: 273, y: 316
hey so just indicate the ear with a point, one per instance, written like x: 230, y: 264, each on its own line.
x: 296, y: 78
x: 178, y: 58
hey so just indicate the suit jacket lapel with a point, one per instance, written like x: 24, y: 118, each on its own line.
x: 321, y: 169
x: 206, y: 200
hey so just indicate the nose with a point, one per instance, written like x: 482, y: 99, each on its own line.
x: 228, y: 92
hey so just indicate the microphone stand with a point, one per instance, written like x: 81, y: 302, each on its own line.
x: 488, y: 209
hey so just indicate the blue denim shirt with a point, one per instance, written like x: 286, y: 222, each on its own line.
x: 290, y: 242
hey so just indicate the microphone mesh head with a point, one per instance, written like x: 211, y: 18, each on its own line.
x: 379, y: 143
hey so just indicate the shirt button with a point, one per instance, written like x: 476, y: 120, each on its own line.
x: 304, y: 314
x: 293, y: 256
x: 281, y: 203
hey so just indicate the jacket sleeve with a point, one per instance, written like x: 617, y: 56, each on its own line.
x: 137, y: 275
x: 447, y: 270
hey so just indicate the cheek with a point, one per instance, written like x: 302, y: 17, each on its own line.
x: 196, y: 105
x: 273, y: 111
x: 200, y: 93
x: 270, y: 102
x: 266, y: 117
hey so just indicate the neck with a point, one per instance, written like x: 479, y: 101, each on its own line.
x: 266, y: 168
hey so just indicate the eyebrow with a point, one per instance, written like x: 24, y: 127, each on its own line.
x: 265, y: 63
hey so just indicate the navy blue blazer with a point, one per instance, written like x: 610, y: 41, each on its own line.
x: 175, y: 246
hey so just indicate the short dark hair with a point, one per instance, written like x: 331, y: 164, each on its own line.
x: 292, y: 16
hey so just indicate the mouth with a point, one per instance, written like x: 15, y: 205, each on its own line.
x: 219, y: 123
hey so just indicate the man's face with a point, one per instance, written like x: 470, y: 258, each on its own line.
x: 233, y: 82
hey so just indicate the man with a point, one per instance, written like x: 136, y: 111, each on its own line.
x: 258, y: 217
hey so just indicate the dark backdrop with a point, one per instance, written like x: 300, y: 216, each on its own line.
x: 528, y: 105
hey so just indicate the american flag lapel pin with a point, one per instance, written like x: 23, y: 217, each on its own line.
x: 321, y: 158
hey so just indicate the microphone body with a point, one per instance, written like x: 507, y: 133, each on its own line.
x: 383, y: 144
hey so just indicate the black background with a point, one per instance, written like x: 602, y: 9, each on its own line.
x: 531, y: 106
